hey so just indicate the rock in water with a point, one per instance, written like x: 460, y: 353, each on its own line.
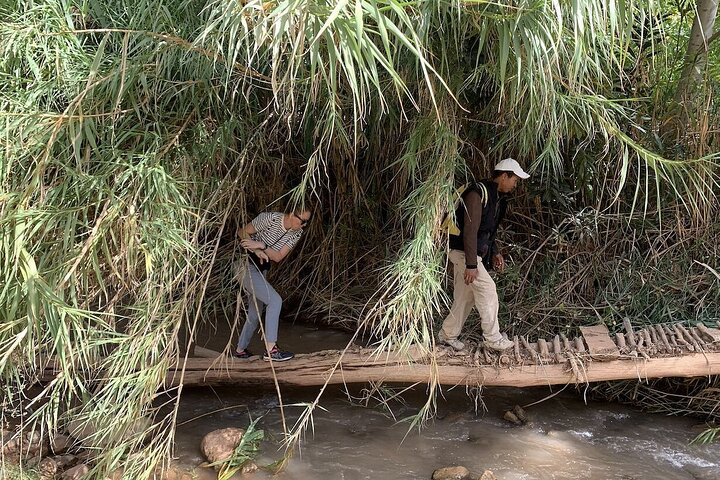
x: 512, y: 418
x: 451, y: 473
x: 520, y: 414
x: 248, y: 468
x: 176, y: 473
x: 517, y: 415
x: 219, y: 445
x: 487, y: 475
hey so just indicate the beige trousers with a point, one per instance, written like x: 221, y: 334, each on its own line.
x: 481, y: 294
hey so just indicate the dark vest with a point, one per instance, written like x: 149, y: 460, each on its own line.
x: 492, y: 214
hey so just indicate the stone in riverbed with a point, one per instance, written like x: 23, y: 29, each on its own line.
x: 702, y: 473
x: 176, y: 473
x: 47, y: 468
x: 520, y: 414
x: 248, y: 468
x: 28, y: 444
x: 65, y: 461
x: 517, y: 415
x: 451, y: 473
x: 75, y: 473
x: 9, y: 443
x: 512, y: 418
x: 460, y: 473
x: 219, y: 445
x: 59, y: 444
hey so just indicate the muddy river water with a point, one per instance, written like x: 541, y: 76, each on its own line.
x: 565, y: 438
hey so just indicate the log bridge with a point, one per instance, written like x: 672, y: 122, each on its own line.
x: 651, y: 352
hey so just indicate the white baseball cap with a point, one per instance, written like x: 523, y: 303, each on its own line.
x: 511, y: 165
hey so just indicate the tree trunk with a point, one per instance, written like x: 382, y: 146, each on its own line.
x: 359, y: 367
x: 696, y: 55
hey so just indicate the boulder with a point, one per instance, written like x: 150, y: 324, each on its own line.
x: 487, y: 475
x: 28, y: 444
x: 59, y: 444
x: 248, y: 468
x: 451, y: 473
x: 6, y: 436
x: 65, y: 461
x: 33, y: 443
x: 219, y: 445
x: 47, y: 468
x: 520, y: 414
x: 80, y: 430
x: 512, y: 418
x: 10, y: 446
x: 176, y: 473
x: 75, y: 473
x: 516, y: 415
x: 116, y: 474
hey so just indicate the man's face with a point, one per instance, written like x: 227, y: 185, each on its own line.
x: 507, y: 182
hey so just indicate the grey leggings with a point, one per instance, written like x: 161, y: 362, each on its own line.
x: 261, y: 295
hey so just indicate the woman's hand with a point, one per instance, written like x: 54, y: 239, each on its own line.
x: 249, y: 244
x: 261, y: 255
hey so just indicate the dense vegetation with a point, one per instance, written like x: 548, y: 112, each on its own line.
x: 138, y: 134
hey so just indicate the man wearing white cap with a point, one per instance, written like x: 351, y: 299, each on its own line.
x: 473, y: 253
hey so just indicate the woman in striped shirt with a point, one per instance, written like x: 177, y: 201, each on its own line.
x: 268, y: 239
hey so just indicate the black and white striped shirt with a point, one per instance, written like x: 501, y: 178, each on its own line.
x: 270, y: 230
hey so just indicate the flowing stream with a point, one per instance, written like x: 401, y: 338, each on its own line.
x: 565, y: 438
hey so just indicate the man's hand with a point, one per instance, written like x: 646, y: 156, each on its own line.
x: 470, y: 275
x: 253, y: 245
x: 498, y: 262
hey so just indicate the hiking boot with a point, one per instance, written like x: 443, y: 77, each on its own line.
x: 451, y: 342
x: 242, y: 354
x: 499, y: 345
x: 277, y: 356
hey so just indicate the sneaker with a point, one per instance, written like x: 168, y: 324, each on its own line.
x: 499, y: 345
x: 242, y: 354
x: 277, y: 356
x: 451, y: 342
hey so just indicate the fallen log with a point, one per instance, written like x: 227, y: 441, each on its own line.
x: 360, y: 367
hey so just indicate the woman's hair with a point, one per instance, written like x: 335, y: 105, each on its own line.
x: 299, y: 209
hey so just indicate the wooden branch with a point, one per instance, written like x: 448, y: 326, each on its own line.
x: 601, y: 361
x: 315, y: 368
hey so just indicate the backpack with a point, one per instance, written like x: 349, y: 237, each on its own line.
x: 449, y: 225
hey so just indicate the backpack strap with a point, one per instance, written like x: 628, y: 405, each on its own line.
x: 448, y: 224
x: 483, y: 191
